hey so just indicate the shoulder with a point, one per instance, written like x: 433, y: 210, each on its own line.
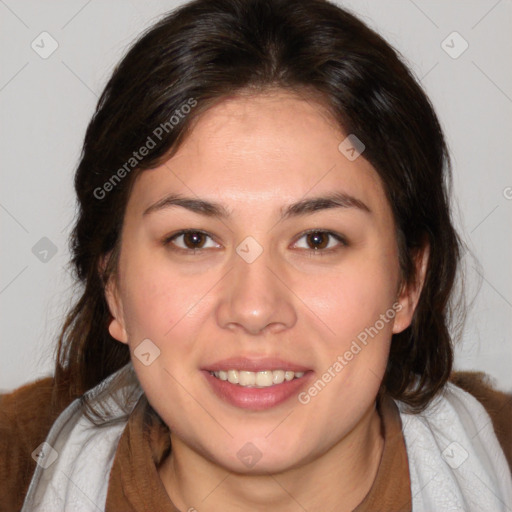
x: 26, y: 416
x: 497, y: 404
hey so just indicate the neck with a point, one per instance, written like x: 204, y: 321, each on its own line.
x: 337, y: 480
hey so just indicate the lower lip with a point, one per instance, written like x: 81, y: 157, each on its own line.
x: 256, y: 399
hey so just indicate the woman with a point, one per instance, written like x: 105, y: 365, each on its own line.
x: 267, y: 257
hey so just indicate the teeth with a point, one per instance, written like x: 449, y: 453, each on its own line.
x: 278, y: 376
x: 261, y: 379
x: 232, y: 376
x: 246, y: 378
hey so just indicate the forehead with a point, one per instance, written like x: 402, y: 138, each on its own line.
x: 261, y: 149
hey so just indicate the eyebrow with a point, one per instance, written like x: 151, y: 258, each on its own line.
x: 302, y: 207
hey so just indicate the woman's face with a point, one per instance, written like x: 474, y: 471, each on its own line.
x: 258, y: 296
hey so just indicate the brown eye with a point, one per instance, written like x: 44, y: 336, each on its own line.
x: 190, y: 240
x: 321, y: 241
x: 317, y: 240
x: 193, y: 240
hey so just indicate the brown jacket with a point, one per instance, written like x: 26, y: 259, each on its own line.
x: 27, y: 414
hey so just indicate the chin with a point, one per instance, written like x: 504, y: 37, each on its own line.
x: 263, y: 467
x: 258, y: 457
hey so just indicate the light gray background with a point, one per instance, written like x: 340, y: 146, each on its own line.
x: 45, y: 105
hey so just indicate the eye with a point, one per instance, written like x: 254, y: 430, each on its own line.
x: 190, y: 240
x: 319, y: 241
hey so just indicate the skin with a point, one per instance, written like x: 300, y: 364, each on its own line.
x: 256, y: 154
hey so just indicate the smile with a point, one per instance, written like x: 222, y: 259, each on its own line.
x: 257, y: 391
x: 261, y: 379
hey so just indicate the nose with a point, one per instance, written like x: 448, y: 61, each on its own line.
x: 255, y: 298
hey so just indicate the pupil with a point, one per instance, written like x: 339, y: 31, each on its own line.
x: 316, y: 240
x: 192, y: 240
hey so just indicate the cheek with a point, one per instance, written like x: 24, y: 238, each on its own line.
x: 149, y: 305
x: 161, y: 306
x: 359, y: 308
x: 354, y: 298
x: 157, y: 298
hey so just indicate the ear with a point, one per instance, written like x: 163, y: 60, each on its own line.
x: 116, y: 328
x: 410, y: 292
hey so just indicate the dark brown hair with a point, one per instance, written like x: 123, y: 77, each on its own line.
x: 208, y: 50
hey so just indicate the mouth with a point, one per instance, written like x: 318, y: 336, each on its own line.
x: 261, y: 379
x: 256, y: 384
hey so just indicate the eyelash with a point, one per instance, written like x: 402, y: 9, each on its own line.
x: 167, y: 241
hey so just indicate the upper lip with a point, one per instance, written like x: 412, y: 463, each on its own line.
x: 252, y: 364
